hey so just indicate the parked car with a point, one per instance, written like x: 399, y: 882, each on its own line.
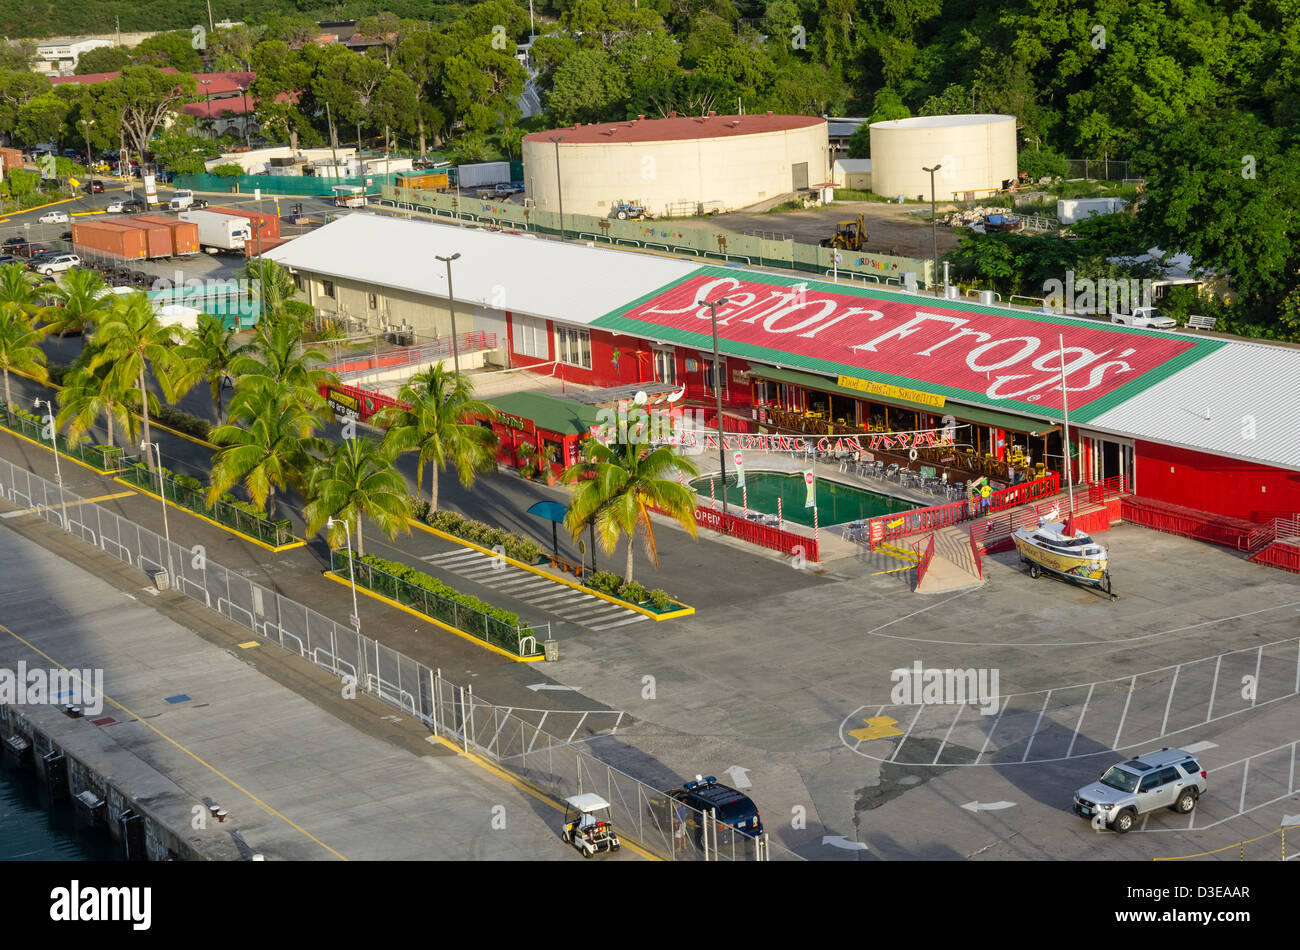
x: 1170, y: 778
x: 13, y: 242
x: 114, y: 207
x: 1150, y: 317
x: 94, y: 186
x: 57, y: 264
x: 53, y: 217
x: 134, y: 206
x: 7, y: 259
x: 31, y: 250
x: 734, y: 810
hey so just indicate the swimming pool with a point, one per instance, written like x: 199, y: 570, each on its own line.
x: 836, y: 502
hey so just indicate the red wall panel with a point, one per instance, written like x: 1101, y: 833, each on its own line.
x: 1219, y: 485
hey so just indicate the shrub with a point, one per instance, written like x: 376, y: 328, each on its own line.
x: 660, y: 599
x: 229, y: 170
x: 1042, y: 163
x: 186, y: 481
x: 519, y: 548
x: 633, y: 592
x: 610, y: 583
x: 298, y: 309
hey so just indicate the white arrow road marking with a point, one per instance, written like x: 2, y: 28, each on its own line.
x: 988, y: 806
x: 1200, y: 746
x: 738, y: 776
x: 839, y: 841
x: 536, y: 686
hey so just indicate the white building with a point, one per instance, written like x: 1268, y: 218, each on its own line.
x: 976, y: 155
x: 61, y: 56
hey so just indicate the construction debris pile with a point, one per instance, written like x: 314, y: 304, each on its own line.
x: 965, y: 217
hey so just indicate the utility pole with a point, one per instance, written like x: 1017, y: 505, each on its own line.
x: 713, y: 306
x: 211, y: 28
x: 559, y: 190
x: 333, y: 137
x: 934, y: 234
x: 451, y: 303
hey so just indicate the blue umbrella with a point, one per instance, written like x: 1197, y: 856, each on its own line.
x: 553, y: 512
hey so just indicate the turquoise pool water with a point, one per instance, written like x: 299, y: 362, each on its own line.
x: 836, y: 502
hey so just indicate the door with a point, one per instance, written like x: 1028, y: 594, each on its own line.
x: 799, y: 176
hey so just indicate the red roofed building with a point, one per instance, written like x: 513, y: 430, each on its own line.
x: 681, y: 164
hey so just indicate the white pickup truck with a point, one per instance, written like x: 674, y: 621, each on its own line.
x: 1150, y: 317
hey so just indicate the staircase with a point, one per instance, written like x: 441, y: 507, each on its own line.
x: 1276, y: 544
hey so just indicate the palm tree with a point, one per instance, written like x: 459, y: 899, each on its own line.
x: 618, y: 484
x: 88, y: 394
x: 209, y: 355
x: 430, y: 418
x: 275, y: 281
x: 20, y: 349
x: 277, y: 356
x: 130, y: 340
x: 358, y: 478
x: 266, y: 444
x: 82, y: 300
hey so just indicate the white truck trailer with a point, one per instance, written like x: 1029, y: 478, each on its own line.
x: 220, y: 232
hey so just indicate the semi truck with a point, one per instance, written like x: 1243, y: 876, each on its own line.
x: 220, y: 232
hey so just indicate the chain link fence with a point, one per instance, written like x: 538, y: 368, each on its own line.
x: 542, y: 746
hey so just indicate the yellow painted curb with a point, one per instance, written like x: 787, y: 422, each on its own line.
x: 433, y: 620
x: 215, y: 524
x: 686, y: 611
x: 70, y: 458
x: 525, y: 786
x: 61, y: 201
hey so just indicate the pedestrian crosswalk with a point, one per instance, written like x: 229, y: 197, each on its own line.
x: 567, y: 603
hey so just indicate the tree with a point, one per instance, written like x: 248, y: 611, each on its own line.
x: 89, y: 394
x: 209, y: 355
x: 618, y: 484
x: 183, y: 152
x: 266, y: 445
x: 17, y: 54
x: 586, y: 88
x: 432, y: 418
x: 282, y: 74
x: 860, y: 141
x: 102, y: 59
x: 169, y: 49
x: 293, y: 31
x: 687, y: 94
x: 887, y: 105
x: 357, y: 478
x: 481, y: 85
x: 419, y: 57
x: 81, y: 301
x: 41, y: 119
x: 17, y: 88
x: 274, y: 282
x: 19, y: 340
x: 279, y: 359
x: 147, y: 98
x: 394, y: 106
x: 130, y: 339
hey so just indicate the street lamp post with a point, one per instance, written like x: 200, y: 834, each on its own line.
x: 243, y: 92
x: 207, y: 92
x: 713, y: 306
x: 85, y: 125
x: 356, y: 616
x: 451, y: 303
x: 162, y: 494
x: 58, y: 474
x: 934, y: 239
x: 559, y: 190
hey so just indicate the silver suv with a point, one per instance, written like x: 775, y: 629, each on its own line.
x: 1169, y: 778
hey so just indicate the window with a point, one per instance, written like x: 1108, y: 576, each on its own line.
x: 1149, y: 782
x: 297, y: 282
x: 327, y: 288
x: 374, y: 301
x: 707, y: 363
x: 573, y: 346
x: 1168, y: 775
x: 665, y: 366
x: 529, y: 336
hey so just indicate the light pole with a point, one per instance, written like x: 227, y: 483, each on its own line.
x: 162, y: 494
x: 451, y: 303
x: 58, y: 475
x: 85, y: 125
x: 934, y: 239
x: 713, y: 306
x: 243, y: 92
x: 559, y: 190
x: 207, y: 92
x: 356, y: 616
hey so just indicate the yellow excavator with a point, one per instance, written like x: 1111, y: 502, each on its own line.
x: 849, y: 235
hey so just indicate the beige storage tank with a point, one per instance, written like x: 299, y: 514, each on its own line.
x: 977, y: 154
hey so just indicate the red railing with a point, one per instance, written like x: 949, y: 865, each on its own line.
x: 469, y: 342
x: 976, y: 553
x: 888, y: 527
x: 1099, y: 492
x: 923, y: 564
x: 367, y: 403
x: 764, y: 535
x: 1266, y: 534
x: 1188, y: 522
x: 1281, y: 554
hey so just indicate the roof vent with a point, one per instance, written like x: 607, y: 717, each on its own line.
x: 769, y: 112
x: 673, y: 114
x: 640, y: 118
x: 712, y: 112
x: 577, y: 125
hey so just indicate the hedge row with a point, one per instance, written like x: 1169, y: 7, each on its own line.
x: 610, y: 583
x: 485, y: 535
x: 419, y: 579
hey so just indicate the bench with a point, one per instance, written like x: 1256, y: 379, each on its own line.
x: 566, y: 566
x: 1200, y: 323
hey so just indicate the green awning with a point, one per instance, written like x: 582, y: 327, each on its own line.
x: 551, y: 413
x: 984, y: 417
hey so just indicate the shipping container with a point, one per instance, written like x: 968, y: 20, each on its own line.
x: 185, y: 236
x: 111, y: 239
x: 484, y: 173
x: 157, y: 234
x: 250, y: 248
x: 432, y: 181
x: 267, y: 222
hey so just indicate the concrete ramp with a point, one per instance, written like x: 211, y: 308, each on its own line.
x: 952, y: 566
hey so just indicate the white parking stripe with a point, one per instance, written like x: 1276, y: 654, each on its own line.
x: 620, y: 623
x: 584, y: 614
x: 562, y: 595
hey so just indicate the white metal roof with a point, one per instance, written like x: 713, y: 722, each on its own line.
x: 587, y: 802
x: 1250, y: 393
x: 519, y: 273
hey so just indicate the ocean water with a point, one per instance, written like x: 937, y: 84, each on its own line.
x: 32, y: 828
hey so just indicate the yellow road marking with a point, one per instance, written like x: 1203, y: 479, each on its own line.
x: 192, y: 755
x: 218, y: 524
x: 879, y: 727
x: 527, y: 788
x: 68, y: 504
x: 247, y: 646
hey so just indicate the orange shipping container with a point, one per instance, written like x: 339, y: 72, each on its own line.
x: 430, y: 182
x: 250, y: 247
x: 185, y: 235
x: 109, y: 238
x: 157, y: 234
x: 268, y: 223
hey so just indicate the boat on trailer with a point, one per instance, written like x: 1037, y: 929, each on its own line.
x: 1056, y: 548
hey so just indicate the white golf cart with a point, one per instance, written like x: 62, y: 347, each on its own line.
x: 587, y: 826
